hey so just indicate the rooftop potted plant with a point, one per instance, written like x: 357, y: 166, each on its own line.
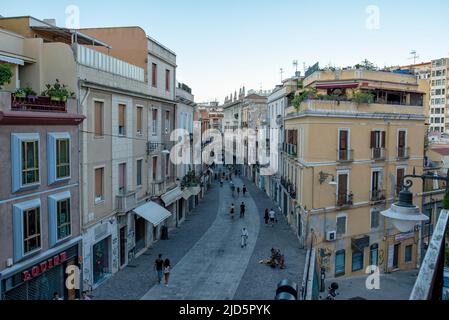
x: 57, y: 92
x: 20, y: 93
x: 5, y: 74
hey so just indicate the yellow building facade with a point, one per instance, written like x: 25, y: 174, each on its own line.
x: 346, y: 159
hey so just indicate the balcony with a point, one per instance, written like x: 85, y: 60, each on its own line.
x: 344, y: 199
x: 345, y: 155
x: 377, y: 196
x: 154, y: 147
x: 37, y: 103
x: 403, y: 152
x: 126, y: 200
x: 279, y: 120
x: 290, y: 149
x: 157, y: 188
x: 378, y: 154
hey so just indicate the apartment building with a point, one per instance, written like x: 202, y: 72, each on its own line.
x: 129, y: 190
x: 278, y: 101
x: 438, y: 98
x: 40, y: 221
x: 348, y: 146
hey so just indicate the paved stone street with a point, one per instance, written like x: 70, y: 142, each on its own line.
x: 208, y: 262
x: 393, y: 286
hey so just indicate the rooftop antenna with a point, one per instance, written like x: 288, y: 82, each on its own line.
x: 295, y: 64
x: 414, y: 55
x: 282, y: 73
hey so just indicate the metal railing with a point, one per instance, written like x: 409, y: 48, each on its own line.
x: 37, y: 103
x: 126, y: 200
x: 403, y: 152
x: 345, y: 155
x: 430, y: 280
x: 344, y: 199
x: 378, y: 153
x: 377, y: 195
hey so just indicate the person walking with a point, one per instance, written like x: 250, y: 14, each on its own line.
x: 158, y: 266
x: 84, y: 296
x: 231, y: 210
x: 244, y: 237
x: 167, y: 270
x: 238, y: 191
x: 244, y: 190
x: 266, y: 216
x: 272, y: 215
x: 242, y: 210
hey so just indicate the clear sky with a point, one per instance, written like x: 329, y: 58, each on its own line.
x: 224, y: 44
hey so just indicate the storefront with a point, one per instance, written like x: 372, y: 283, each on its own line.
x: 154, y: 217
x: 40, y: 277
x: 170, y: 200
x: 101, y: 260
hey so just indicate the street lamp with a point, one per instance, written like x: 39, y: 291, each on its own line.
x: 404, y: 214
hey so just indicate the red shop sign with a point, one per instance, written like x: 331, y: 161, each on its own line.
x: 44, y: 266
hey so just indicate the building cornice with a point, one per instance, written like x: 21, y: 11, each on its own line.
x: 356, y: 115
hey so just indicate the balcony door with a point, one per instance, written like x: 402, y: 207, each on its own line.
x: 343, y: 145
x: 376, y: 185
x: 122, y: 177
x: 378, y: 143
x: 401, y: 143
x: 342, y: 191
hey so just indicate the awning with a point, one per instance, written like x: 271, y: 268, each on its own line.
x: 12, y: 60
x: 360, y: 243
x: 187, y: 193
x: 337, y: 85
x: 195, y: 190
x: 153, y: 213
x: 172, y: 196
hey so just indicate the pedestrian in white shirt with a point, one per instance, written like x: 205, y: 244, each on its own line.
x: 272, y: 215
x: 244, y: 237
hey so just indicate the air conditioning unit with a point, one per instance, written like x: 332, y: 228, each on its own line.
x: 331, y: 235
x: 9, y: 262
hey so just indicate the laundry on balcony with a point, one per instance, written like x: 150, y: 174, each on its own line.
x: 153, y: 213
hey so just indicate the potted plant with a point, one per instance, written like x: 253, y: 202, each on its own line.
x: 57, y: 92
x: 30, y: 93
x: 20, y: 93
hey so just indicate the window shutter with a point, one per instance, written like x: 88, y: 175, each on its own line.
x: 401, y: 142
x: 343, y: 140
x: 383, y: 139
x: 139, y: 119
x: 121, y: 116
x: 98, y: 118
x: 98, y: 182
x: 373, y: 139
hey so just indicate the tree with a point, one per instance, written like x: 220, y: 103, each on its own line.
x: 5, y: 74
x: 366, y: 65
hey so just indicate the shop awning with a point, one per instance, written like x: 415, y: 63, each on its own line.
x: 360, y: 243
x: 153, y: 213
x: 172, y: 196
x: 337, y: 85
x: 195, y: 190
x: 187, y: 193
x: 12, y: 60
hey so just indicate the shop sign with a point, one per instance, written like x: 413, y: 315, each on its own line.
x: 44, y: 266
x: 404, y: 236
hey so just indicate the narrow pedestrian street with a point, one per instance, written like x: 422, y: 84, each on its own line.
x: 207, y: 259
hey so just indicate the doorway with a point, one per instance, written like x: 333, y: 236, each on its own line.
x: 140, y: 234
x: 122, y: 246
x: 397, y: 247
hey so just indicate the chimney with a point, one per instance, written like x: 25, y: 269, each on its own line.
x: 50, y: 21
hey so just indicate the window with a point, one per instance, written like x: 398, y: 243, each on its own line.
x: 98, y: 118
x: 139, y: 172
x: 167, y: 122
x: 340, y: 257
x: 167, y: 80
x: 139, y: 111
x: 62, y: 158
x: 408, y: 253
x: 375, y: 219
x: 357, y: 260
x: 342, y: 189
x: 121, y: 119
x: 400, y: 172
x: 376, y: 185
x: 122, y: 177
x: 402, y: 153
x: 154, y: 122
x: 343, y: 145
x: 154, y: 75
x: 31, y: 230
x: 63, y: 219
x: 374, y: 256
x: 99, y: 176
x: 154, y: 168
x: 167, y: 165
x: 341, y: 225
x: 30, y: 162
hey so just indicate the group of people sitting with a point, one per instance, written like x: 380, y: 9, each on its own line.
x: 276, y: 259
